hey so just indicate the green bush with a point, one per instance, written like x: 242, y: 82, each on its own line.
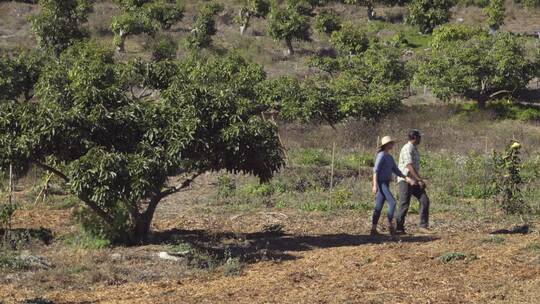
x: 327, y: 22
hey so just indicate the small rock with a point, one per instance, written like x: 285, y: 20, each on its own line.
x: 116, y: 256
x: 166, y: 256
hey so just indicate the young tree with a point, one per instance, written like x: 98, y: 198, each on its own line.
x: 131, y: 23
x: 287, y: 24
x: 476, y: 66
x: 20, y: 74
x: 495, y: 14
x: 205, y: 27
x: 59, y: 24
x: 115, y: 149
x: 350, y: 39
x: 327, y: 22
x: 369, y: 4
x: 250, y: 9
x: 427, y: 14
x: 144, y: 17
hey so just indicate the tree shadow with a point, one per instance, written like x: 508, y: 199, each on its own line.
x: 260, y: 246
x: 19, y: 236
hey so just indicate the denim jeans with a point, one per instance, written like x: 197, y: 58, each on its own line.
x: 383, y: 194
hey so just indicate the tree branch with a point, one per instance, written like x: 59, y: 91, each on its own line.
x: 53, y: 170
x: 108, y: 219
x: 180, y: 186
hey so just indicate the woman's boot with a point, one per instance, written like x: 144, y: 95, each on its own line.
x: 391, y: 228
x: 374, y: 230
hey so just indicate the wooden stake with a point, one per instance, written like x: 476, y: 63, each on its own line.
x: 332, y: 167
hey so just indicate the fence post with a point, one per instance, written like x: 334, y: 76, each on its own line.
x: 332, y: 169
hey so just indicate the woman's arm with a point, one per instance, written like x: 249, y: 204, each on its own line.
x: 376, y: 169
x: 374, y: 188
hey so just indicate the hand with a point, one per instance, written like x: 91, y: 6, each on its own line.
x: 374, y: 189
x: 422, y: 184
x: 411, y: 181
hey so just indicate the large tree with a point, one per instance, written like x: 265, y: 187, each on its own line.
x: 93, y: 125
x: 468, y: 62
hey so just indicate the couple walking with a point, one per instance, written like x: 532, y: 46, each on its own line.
x: 409, y: 183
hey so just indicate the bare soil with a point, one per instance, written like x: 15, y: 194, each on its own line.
x: 319, y: 258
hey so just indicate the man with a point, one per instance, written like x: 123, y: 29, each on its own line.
x: 409, y: 164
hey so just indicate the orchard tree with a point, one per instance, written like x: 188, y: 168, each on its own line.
x: 350, y: 39
x: 327, y: 21
x: 428, y: 14
x: 495, y: 14
x: 250, y: 9
x: 365, y: 86
x: 144, y: 17
x: 369, y: 4
x: 205, y: 26
x: 475, y: 65
x: 288, y: 24
x: 116, y: 150
x: 59, y: 23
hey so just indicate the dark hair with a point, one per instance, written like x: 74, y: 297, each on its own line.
x: 413, y: 134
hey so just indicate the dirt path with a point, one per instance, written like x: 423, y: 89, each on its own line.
x: 363, y: 272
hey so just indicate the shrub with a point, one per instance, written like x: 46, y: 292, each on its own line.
x: 250, y: 9
x: 452, y: 256
x: 350, y: 39
x: 507, y: 179
x: 205, y: 27
x: 163, y: 48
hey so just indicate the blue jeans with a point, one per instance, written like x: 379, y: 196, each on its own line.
x: 383, y: 194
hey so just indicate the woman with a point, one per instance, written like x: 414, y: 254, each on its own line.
x: 382, y: 175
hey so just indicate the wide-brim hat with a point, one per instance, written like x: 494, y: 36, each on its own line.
x: 386, y: 140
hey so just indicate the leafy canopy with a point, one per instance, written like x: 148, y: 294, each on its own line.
x: 116, y: 149
x: 468, y: 62
x: 427, y: 14
x: 59, y: 23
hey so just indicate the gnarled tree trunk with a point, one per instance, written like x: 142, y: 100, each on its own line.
x: 290, y: 49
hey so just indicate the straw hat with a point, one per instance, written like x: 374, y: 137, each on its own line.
x: 386, y: 140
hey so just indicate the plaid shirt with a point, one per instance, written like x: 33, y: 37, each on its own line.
x: 409, y: 155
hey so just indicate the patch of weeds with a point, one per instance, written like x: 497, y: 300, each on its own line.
x: 261, y: 189
x: 86, y: 241
x: 281, y: 204
x: 180, y: 247
x: 66, y: 202
x: 494, y: 239
x: 78, y: 269
x: 232, y: 267
x: 10, y: 261
x: 315, y: 206
x: 456, y: 256
x: 532, y: 247
x: 226, y: 186
x: 310, y: 157
x: 196, y: 257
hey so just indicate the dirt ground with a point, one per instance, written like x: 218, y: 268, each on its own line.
x: 319, y: 258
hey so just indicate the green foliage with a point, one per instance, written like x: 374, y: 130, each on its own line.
x: 494, y: 239
x: 428, y: 14
x: 507, y: 179
x: 250, y: 9
x: 163, y: 48
x: 452, y: 256
x: 350, y: 39
x: 205, y: 27
x: 10, y: 262
x: 495, y: 14
x: 327, y: 21
x: 19, y: 75
x: 115, y: 150
x: 131, y: 23
x: 165, y: 12
x: 226, y: 185
x: 144, y: 16
x: 287, y: 24
x: 528, y: 3
x: 472, y: 64
x: 59, y: 24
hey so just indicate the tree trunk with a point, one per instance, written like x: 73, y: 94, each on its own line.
x: 120, y: 47
x: 482, y: 100
x: 290, y: 49
x: 243, y: 29
x: 370, y: 12
x: 141, y: 229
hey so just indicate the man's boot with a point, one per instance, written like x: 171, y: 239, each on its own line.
x: 391, y: 228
